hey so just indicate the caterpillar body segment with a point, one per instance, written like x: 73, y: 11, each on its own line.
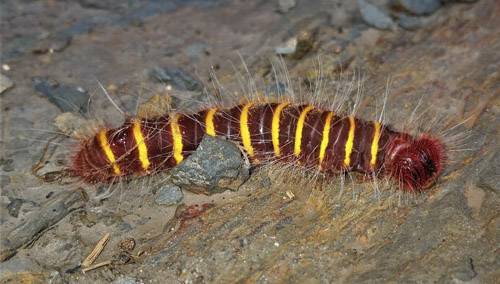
x: 294, y: 133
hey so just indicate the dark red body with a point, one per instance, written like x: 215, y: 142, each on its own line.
x: 413, y: 163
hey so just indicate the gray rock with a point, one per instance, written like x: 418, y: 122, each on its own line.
x: 5, y: 83
x: 175, y: 77
x: 266, y: 183
x: 288, y: 48
x: 66, y: 98
x: 125, y: 280
x: 305, y: 42
x: 191, y: 101
x: 452, y: 1
x: 216, y: 165
x: 489, y: 179
x: 276, y: 90
x: 7, y: 165
x: 55, y: 278
x: 198, y: 48
x: 16, y: 47
x: 143, y: 221
x: 419, y: 7
x: 168, y: 195
x: 36, y: 222
x: 408, y: 22
x: 375, y: 17
x: 467, y: 273
x: 18, y: 265
x: 4, y: 180
x: 14, y: 207
x: 169, y: 52
x: 107, y: 4
x: 284, y: 6
x: 51, y: 42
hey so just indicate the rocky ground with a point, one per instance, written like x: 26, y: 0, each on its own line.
x: 279, y: 225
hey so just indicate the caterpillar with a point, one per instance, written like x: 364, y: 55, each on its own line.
x: 307, y: 135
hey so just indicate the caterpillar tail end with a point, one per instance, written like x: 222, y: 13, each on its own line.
x: 90, y: 165
x: 415, y: 164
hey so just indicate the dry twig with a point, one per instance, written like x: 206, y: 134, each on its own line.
x: 100, y: 264
x: 99, y: 247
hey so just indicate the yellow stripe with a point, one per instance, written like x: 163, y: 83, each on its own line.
x: 209, y: 122
x: 374, y: 149
x: 326, y: 137
x: 177, y: 137
x: 300, y: 127
x: 350, y: 141
x: 103, y: 140
x: 276, y: 128
x: 245, y: 132
x: 141, y: 145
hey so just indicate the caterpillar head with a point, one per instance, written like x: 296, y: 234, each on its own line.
x: 414, y: 163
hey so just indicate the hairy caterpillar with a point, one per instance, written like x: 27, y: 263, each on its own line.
x: 295, y: 133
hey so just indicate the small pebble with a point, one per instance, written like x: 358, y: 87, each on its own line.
x: 124, y: 257
x: 266, y: 183
x: 298, y: 46
x: 66, y: 97
x: 4, y: 180
x: 305, y: 43
x: 419, y: 7
x: 7, y: 165
x: 337, y: 48
x: 199, y: 48
x: 136, y: 22
x: 467, y: 272
x: 55, y: 278
x: 452, y: 1
x: 50, y: 43
x: 127, y: 244
x: 285, y: 6
x: 288, y: 48
x: 5, y: 83
x: 408, y: 22
x: 176, y: 77
x: 126, y: 280
x: 14, y: 207
x: 169, y: 195
x: 375, y: 17
x: 276, y: 90
x: 169, y: 52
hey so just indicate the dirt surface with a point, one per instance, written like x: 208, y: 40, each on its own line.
x: 280, y: 226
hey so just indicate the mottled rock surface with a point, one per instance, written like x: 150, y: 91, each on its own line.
x: 281, y: 225
x: 217, y: 165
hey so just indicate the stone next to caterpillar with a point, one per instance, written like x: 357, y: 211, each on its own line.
x: 293, y: 133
